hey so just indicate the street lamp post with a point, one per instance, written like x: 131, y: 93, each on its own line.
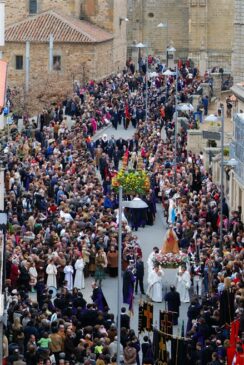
x: 222, y: 180
x: 145, y: 46
x: 119, y: 275
x: 3, y: 224
x: 176, y: 123
x: 165, y: 26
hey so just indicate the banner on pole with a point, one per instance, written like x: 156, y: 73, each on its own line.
x: 148, y: 316
x: 166, y: 322
x: 159, y: 348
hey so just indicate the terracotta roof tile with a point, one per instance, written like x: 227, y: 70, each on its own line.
x: 64, y: 29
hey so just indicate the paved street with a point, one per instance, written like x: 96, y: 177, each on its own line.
x: 149, y: 237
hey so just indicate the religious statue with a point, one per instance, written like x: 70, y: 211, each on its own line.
x: 170, y: 244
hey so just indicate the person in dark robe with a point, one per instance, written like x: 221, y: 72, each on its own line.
x: 173, y: 300
x: 196, y: 180
x: 150, y: 211
x: 128, y: 286
x: 98, y: 297
x: 192, y: 313
x: 135, y: 218
x: 227, y: 308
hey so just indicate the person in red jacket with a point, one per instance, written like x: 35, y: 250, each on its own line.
x: 14, y: 274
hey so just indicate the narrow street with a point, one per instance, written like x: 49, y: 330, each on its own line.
x: 149, y: 237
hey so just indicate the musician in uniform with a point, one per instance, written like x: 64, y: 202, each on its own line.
x: 197, y: 271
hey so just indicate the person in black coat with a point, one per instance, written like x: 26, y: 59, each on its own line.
x: 147, y: 351
x: 139, y: 275
x: 116, y: 158
x: 124, y: 319
x: 192, y: 313
x: 173, y: 300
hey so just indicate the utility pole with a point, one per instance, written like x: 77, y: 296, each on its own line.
x: 176, y: 125
x: 146, y: 77
x: 51, y: 40
x: 222, y: 179
x: 27, y: 66
x: 2, y: 24
x: 3, y: 225
x: 119, y: 275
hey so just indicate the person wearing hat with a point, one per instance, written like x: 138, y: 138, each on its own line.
x: 173, y: 300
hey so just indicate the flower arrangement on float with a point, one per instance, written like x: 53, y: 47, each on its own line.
x: 170, y: 260
x: 170, y: 255
x: 132, y: 181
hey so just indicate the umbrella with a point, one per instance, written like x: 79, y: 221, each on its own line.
x: 140, y: 45
x: 168, y: 73
x: 185, y: 107
x: 211, y: 118
x: 136, y: 203
x: 153, y: 74
x: 233, y: 98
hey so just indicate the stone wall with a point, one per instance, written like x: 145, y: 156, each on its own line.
x: 119, y: 33
x: 195, y: 142
x: 78, y: 62
x: 145, y: 15
x: 106, y: 14
x: 238, y: 44
x: 194, y: 26
x: 19, y: 10
x: 72, y: 59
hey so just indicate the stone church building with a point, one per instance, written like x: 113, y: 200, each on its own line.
x: 199, y: 29
x: 89, y: 39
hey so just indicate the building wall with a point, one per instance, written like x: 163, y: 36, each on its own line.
x: 238, y: 43
x: 77, y: 61
x: 103, y: 61
x: 194, y: 25
x: 106, y: 14
x: 19, y: 10
x: 120, y: 36
x: 144, y: 17
x: 236, y: 197
x: 99, y: 12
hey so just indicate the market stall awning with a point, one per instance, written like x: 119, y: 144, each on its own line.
x: 3, y: 78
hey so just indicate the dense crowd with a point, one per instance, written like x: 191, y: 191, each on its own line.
x: 63, y: 220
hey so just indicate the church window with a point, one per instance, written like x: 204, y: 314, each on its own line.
x: 19, y: 62
x: 57, y: 63
x: 32, y: 6
x: 151, y: 15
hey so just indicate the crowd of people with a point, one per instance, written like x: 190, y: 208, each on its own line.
x: 63, y: 226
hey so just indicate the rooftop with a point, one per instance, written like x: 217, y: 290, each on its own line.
x: 63, y: 28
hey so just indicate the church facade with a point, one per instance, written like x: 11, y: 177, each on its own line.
x: 198, y: 28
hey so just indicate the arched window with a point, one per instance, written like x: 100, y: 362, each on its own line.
x: 32, y: 6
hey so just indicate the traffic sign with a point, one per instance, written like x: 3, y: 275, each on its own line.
x: 211, y: 135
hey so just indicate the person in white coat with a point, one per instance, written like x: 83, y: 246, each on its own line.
x: 183, y: 284
x: 68, y: 277
x: 33, y: 276
x: 51, y: 272
x: 150, y: 261
x: 79, y: 282
x: 155, y: 285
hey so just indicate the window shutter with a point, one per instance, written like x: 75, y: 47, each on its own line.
x: 32, y: 6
